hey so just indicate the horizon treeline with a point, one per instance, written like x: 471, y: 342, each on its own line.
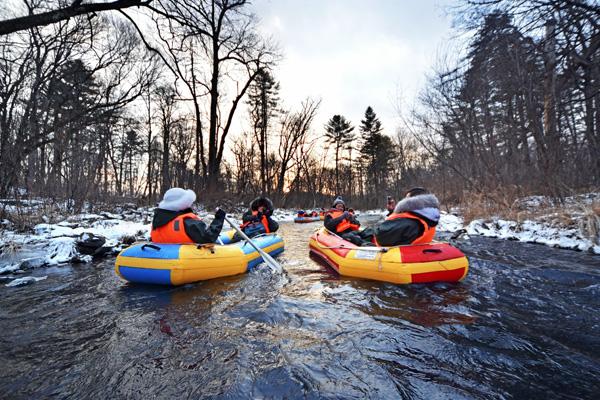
x: 123, y: 105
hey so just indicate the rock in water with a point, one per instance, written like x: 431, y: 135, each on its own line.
x: 28, y: 280
x: 91, y: 244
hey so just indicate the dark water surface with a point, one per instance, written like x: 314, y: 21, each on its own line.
x: 524, y: 324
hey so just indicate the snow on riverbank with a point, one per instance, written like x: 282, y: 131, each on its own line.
x: 529, y: 231
x: 533, y: 232
x: 54, y: 244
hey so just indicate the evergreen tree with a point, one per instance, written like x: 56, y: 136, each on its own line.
x: 70, y: 101
x: 263, y: 98
x: 370, y: 129
x: 338, y: 132
x: 377, y: 153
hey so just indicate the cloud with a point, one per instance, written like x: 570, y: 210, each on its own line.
x: 353, y: 54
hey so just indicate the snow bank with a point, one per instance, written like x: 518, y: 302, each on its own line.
x: 449, y: 222
x: 533, y: 232
x: 56, y: 244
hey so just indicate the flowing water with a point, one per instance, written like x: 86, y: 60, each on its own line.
x: 524, y: 324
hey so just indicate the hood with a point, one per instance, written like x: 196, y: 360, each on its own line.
x: 163, y: 217
x: 261, y: 200
x: 424, y: 205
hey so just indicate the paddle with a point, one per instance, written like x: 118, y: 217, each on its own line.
x: 265, y: 256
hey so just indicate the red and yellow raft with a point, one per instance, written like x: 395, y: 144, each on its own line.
x: 434, y: 262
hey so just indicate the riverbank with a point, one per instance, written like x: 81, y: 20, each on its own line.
x: 573, y: 224
x: 569, y: 226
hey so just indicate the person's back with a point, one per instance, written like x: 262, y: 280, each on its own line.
x: 175, y: 222
x: 413, y: 220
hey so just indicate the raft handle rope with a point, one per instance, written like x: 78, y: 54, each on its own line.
x: 152, y: 246
x: 432, y: 251
x: 208, y: 246
x: 377, y: 249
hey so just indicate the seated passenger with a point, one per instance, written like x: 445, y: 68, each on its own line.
x: 257, y: 220
x: 344, y: 223
x: 175, y: 222
x: 413, y: 220
x: 391, y: 204
x: 301, y: 214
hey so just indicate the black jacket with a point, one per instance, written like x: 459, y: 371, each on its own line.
x: 248, y: 217
x: 332, y: 223
x: 194, y: 228
x: 405, y: 230
x: 254, y: 205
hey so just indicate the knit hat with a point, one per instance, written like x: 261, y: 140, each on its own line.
x: 177, y: 199
x: 338, y: 200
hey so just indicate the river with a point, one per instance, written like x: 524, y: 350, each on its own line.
x: 524, y: 324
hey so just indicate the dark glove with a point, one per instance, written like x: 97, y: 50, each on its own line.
x: 268, y: 212
x: 346, y: 215
x: 220, y: 214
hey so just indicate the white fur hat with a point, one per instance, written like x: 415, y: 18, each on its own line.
x: 177, y: 199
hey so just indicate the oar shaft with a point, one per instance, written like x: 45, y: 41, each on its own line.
x: 266, y: 257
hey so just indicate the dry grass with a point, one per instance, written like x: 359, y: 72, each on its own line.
x: 589, y: 224
x: 507, y: 205
x: 10, y: 248
x: 499, y: 203
x: 24, y: 218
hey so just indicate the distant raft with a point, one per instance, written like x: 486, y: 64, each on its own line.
x: 178, y: 264
x: 304, y: 220
x: 435, y: 262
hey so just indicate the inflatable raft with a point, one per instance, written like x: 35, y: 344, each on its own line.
x: 304, y: 220
x: 435, y: 262
x: 177, y: 264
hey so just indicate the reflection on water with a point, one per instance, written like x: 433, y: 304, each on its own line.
x: 524, y: 324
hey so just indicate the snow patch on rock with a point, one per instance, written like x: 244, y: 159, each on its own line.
x: 27, y: 280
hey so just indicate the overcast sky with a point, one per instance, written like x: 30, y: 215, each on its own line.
x: 355, y: 53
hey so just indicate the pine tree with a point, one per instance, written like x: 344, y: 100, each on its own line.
x: 71, y: 97
x: 338, y: 132
x: 377, y: 153
x: 263, y: 98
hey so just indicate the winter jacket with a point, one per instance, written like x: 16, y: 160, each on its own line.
x: 195, y: 229
x: 399, y: 231
x: 252, y: 218
x: 332, y: 222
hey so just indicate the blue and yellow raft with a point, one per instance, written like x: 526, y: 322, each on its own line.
x: 177, y: 264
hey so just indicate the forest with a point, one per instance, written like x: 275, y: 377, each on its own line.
x: 103, y: 102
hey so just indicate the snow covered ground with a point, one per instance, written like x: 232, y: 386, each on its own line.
x: 531, y: 231
x: 54, y: 244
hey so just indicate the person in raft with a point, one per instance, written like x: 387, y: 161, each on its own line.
x: 391, y: 204
x: 412, y: 221
x: 257, y: 220
x: 175, y: 222
x: 344, y: 223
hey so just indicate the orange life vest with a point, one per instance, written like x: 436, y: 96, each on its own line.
x: 174, y: 231
x: 345, y: 224
x: 263, y: 221
x: 428, y: 231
